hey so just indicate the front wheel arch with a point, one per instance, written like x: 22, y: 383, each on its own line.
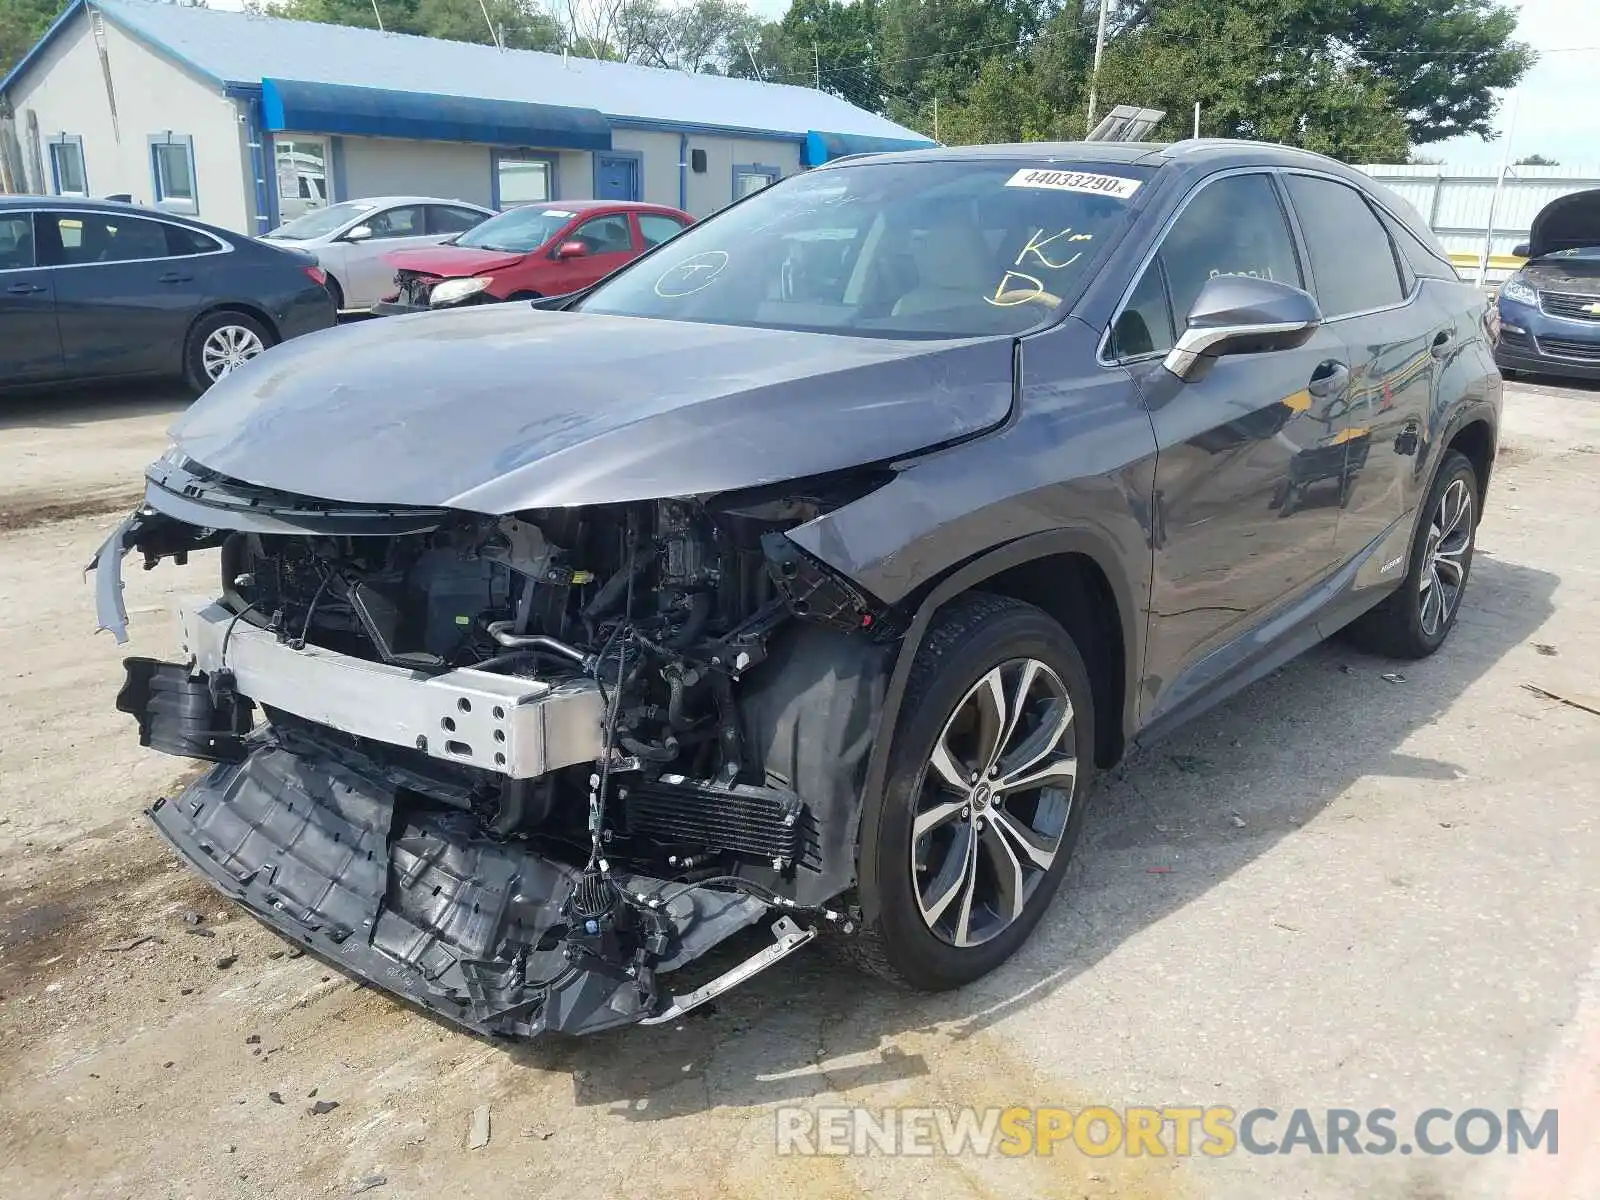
x: 979, y: 574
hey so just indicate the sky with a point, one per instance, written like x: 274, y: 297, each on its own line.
x: 1556, y: 104
x: 1558, y: 98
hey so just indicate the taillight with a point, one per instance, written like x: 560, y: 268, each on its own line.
x: 318, y: 276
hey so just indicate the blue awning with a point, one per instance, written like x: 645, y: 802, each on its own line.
x: 822, y: 147
x: 422, y: 116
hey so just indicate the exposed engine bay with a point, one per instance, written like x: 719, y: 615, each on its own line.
x: 514, y: 768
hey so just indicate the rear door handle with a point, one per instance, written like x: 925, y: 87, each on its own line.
x: 174, y: 277
x: 1331, y: 377
x: 1440, y: 341
x: 24, y: 289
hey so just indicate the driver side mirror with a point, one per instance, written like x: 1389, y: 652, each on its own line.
x: 1521, y: 250
x: 571, y: 250
x: 358, y: 233
x: 1241, y: 314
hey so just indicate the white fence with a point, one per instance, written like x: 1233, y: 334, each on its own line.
x: 1461, y: 206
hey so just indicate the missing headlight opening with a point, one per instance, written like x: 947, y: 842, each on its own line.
x: 517, y: 767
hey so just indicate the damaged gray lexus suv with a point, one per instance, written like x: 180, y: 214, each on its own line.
x: 800, y: 574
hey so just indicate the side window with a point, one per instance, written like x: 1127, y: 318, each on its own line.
x: 172, y: 172
x: 1429, y: 261
x: 182, y: 243
x: 397, y: 222
x: 605, y: 235
x: 1352, y: 258
x: 1232, y: 226
x: 446, y: 218
x: 657, y: 229
x: 1145, y: 325
x: 16, y: 241
x: 66, y: 165
x: 83, y: 238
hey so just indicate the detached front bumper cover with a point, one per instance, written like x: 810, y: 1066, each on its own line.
x: 422, y: 902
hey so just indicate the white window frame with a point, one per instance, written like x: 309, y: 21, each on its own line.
x: 189, y: 204
x: 56, y: 141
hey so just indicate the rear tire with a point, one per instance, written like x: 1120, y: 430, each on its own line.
x: 962, y: 866
x: 1415, y: 619
x: 219, y: 343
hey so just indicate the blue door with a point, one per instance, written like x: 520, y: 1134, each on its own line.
x: 616, y: 178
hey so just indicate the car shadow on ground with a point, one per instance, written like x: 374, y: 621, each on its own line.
x: 70, y: 406
x: 1197, y: 808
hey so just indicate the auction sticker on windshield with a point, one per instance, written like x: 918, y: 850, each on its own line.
x: 1075, y: 181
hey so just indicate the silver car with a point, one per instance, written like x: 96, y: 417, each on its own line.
x: 351, y: 239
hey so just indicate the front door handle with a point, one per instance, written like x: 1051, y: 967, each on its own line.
x: 1441, y: 342
x: 1331, y: 377
x: 174, y: 277
x: 24, y: 289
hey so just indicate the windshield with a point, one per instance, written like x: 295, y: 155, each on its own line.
x: 895, y: 249
x: 519, y: 231
x: 321, y: 222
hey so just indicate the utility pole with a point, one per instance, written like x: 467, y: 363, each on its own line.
x: 1099, y: 49
x: 1499, y: 186
x: 936, y: 116
x: 816, y: 63
x: 377, y: 14
x: 1197, y: 118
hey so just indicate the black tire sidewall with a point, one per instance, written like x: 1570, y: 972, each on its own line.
x: 917, y: 954
x: 194, y: 370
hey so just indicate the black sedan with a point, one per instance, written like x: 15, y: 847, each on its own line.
x: 94, y: 289
x: 805, y: 571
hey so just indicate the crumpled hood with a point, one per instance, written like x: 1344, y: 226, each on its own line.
x: 505, y: 407
x: 452, y: 261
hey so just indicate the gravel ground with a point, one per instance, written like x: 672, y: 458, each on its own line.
x: 1335, y: 890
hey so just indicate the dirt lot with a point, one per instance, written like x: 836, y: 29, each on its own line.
x: 1337, y: 890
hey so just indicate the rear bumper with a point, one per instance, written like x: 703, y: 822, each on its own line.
x: 421, y: 902
x: 312, y: 309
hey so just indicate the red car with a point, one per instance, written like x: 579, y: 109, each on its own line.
x: 533, y: 250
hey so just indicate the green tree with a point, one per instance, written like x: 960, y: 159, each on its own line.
x: 521, y: 25
x: 22, y: 23
x: 1537, y: 160
x: 939, y: 47
x: 1438, y: 61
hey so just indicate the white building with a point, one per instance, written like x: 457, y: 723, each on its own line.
x: 244, y: 120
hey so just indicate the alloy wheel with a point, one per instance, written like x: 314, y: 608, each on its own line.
x: 1444, y: 558
x: 993, y: 803
x: 228, y: 348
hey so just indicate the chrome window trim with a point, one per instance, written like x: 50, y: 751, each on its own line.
x: 1102, y: 356
x: 1407, y: 298
x: 223, y: 246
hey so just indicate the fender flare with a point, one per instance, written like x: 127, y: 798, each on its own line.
x: 963, y: 578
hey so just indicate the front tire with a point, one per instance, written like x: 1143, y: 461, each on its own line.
x: 219, y: 344
x: 1414, y: 620
x: 983, y: 803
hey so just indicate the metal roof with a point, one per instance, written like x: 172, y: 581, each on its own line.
x: 244, y: 48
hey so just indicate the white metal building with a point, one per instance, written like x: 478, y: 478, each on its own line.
x: 1472, y: 215
x: 243, y: 120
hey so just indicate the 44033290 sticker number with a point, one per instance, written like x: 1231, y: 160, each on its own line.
x: 1075, y: 181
